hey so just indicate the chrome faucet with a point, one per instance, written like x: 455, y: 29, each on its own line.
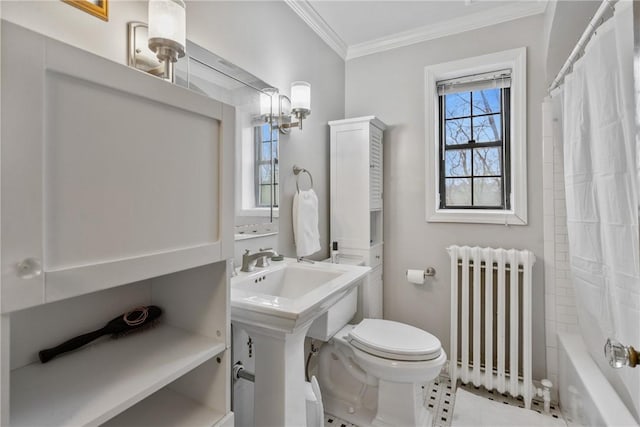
x: 259, y: 259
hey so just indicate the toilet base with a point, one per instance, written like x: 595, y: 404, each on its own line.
x: 388, y: 405
x: 401, y: 405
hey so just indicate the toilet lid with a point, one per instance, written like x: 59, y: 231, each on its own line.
x: 395, y: 341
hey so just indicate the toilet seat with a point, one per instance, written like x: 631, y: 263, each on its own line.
x: 394, y: 341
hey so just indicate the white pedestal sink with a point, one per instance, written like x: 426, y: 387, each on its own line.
x: 276, y: 306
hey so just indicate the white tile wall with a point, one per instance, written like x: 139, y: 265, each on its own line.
x: 560, y: 307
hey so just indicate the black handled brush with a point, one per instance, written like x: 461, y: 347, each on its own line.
x: 138, y: 319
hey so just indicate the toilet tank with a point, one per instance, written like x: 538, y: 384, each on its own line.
x: 325, y: 326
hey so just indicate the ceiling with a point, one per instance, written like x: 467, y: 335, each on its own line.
x: 362, y: 27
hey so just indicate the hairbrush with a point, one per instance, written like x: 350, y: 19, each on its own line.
x: 140, y: 318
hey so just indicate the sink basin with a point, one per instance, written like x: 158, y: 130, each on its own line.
x: 288, y: 294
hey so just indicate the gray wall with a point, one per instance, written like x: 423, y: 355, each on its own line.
x: 565, y: 21
x: 390, y: 85
x: 264, y: 37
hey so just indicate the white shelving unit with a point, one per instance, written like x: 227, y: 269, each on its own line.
x: 357, y: 199
x: 168, y: 408
x: 106, y: 378
x: 105, y: 207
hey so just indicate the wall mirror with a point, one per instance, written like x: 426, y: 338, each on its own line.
x: 257, y: 148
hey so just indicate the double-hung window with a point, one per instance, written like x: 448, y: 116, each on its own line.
x: 474, y: 114
x: 476, y: 139
x: 266, y: 166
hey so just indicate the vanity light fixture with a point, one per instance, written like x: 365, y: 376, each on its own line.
x: 267, y: 97
x: 299, y: 106
x: 167, y: 33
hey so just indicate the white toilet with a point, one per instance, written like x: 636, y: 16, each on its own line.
x: 372, y: 373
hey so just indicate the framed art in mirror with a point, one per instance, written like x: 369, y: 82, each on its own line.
x: 98, y: 8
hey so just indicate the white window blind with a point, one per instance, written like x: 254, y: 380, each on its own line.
x: 492, y: 80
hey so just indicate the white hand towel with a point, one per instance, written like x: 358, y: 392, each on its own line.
x: 305, y: 223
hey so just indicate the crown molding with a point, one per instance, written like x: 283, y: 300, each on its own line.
x: 446, y: 28
x: 309, y: 15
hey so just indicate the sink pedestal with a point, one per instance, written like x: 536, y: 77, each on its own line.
x: 280, y: 384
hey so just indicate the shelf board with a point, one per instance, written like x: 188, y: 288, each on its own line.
x: 92, y: 385
x: 166, y: 408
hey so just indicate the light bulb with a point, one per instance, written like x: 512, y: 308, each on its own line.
x: 167, y: 25
x: 301, y: 96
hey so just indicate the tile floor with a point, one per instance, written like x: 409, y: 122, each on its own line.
x: 441, y: 399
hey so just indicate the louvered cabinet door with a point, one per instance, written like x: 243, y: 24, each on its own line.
x: 375, y: 169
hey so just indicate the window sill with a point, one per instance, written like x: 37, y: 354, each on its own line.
x: 263, y: 212
x: 477, y: 216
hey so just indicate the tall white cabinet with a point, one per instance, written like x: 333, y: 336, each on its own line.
x: 357, y: 199
x: 116, y: 192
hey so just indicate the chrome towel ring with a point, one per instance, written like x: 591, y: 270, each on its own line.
x: 296, y: 171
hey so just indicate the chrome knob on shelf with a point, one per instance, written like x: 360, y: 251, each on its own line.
x: 29, y: 268
x: 619, y: 355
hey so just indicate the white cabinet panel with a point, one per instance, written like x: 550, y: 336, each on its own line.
x: 124, y: 176
x: 21, y: 174
x: 109, y: 175
x: 349, y: 171
x: 372, y: 294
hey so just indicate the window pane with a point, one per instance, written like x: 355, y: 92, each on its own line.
x: 266, y: 130
x: 458, y: 131
x: 487, y: 128
x: 487, y: 161
x: 486, y: 101
x: 458, y: 191
x: 457, y: 163
x: 266, y: 148
x: 457, y: 104
x: 264, y: 174
x: 265, y: 195
x: 487, y: 192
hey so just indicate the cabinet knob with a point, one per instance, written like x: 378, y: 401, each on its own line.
x: 29, y: 268
x: 377, y: 256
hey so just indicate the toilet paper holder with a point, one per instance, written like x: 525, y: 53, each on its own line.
x: 429, y: 272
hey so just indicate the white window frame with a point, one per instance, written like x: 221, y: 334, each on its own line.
x: 245, y: 172
x: 516, y: 60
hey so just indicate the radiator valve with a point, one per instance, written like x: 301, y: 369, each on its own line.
x: 545, y: 393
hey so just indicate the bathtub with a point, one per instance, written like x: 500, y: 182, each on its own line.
x: 586, y: 397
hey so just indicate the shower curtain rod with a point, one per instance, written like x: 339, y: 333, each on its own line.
x: 582, y: 42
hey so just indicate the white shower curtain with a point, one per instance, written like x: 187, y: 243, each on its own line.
x: 601, y: 183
